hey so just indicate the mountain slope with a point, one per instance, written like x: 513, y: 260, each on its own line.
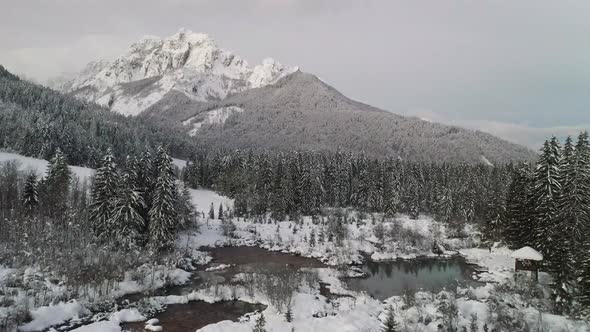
x: 187, y: 62
x: 186, y: 82
x: 301, y: 112
x: 36, y: 121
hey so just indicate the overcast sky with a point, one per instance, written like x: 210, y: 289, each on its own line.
x: 519, y: 69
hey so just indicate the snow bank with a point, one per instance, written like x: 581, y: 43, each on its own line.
x: 44, y: 317
x: 104, y: 326
x: 499, y: 263
x: 127, y: 315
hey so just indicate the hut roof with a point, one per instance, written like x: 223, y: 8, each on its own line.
x: 527, y: 253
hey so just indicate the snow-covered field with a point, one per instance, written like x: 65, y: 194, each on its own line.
x: 39, y: 166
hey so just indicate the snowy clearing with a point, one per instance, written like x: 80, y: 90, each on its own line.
x: 39, y: 166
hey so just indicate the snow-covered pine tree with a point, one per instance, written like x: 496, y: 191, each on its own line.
x: 573, y: 206
x: 57, y: 185
x: 260, y: 325
x: 212, y: 211
x: 546, y: 189
x: 519, y: 210
x: 375, y: 202
x: 127, y: 223
x: 391, y: 197
x: 583, y: 295
x: 278, y: 204
x: 581, y: 223
x: 104, y: 190
x: 342, y: 178
x: 184, y: 206
x: 30, y: 196
x: 144, y: 178
x: 263, y: 186
x: 364, y: 183
x: 220, y: 211
x: 390, y: 325
x: 163, y: 216
x: 289, y: 314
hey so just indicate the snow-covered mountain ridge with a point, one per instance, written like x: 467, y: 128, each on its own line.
x: 188, y: 62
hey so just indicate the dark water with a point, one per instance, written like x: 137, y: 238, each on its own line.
x: 253, y: 257
x: 386, y: 279
x: 197, y: 314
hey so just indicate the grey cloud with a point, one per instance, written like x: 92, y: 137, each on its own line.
x: 505, y: 61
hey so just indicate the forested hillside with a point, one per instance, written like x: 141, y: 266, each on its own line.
x: 37, y: 121
x: 301, y: 112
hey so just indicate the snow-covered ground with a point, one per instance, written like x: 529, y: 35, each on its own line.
x: 347, y: 310
x: 216, y: 116
x: 202, y: 199
x: 39, y: 166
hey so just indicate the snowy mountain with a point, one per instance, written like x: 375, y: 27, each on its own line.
x: 302, y: 112
x: 187, y: 62
x: 188, y: 83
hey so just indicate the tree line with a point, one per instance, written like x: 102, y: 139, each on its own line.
x: 302, y: 183
x: 548, y: 208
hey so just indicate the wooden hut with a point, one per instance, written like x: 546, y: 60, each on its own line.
x: 528, y: 259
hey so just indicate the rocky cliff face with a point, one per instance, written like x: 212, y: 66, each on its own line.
x: 187, y: 62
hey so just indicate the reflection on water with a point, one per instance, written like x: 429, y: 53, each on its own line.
x: 386, y: 279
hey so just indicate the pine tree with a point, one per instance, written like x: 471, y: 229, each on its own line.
x: 184, y: 207
x: 573, y: 206
x: 289, y: 314
x: 583, y: 297
x: 220, y: 211
x: 278, y: 204
x: 312, y: 238
x: 30, y: 197
x: 104, y: 191
x: 390, y: 325
x: 57, y: 185
x: 260, y: 324
x: 519, y: 212
x: 546, y: 189
x: 391, y: 199
x: 212, y: 211
x: 126, y: 220
x: 581, y: 224
x: 163, y: 216
x: 144, y: 175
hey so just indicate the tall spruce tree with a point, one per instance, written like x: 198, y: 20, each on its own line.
x: 580, y: 220
x: 104, y: 192
x: 518, y: 231
x: 144, y: 180
x: 573, y: 206
x: 546, y: 190
x: 185, y: 208
x: 126, y: 220
x: 57, y: 185
x: 212, y: 211
x: 30, y: 196
x: 163, y: 216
